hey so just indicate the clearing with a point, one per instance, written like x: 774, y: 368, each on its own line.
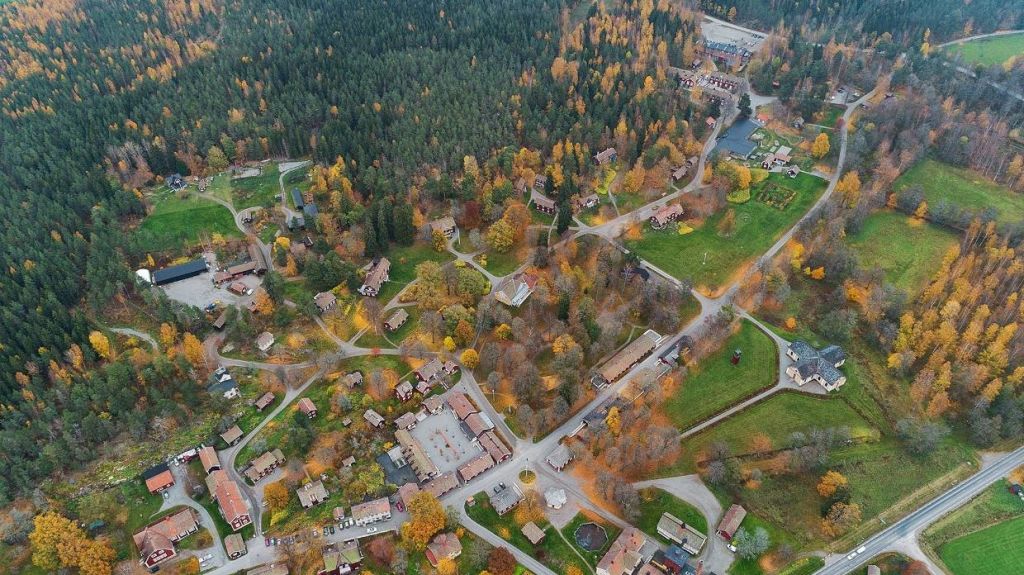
x: 989, y: 51
x: 716, y: 384
x: 963, y: 188
x: 757, y: 226
x: 176, y: 223
x: 906, y: 249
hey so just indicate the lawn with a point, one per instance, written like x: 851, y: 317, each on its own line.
x: 757, y: 227
x: 776, y: 417
x: 963, y: 188
x: 176, y: 223
x: 776, y: 537
x: 716, y: 384
x: 551, y: 551
x: 258, y: 190
x: 994, y: 505
x: 298, y: 292
x: 989, y: 51
x: 501, y: 264
x: 371, y: 340
x: 582, y: 517
x: 654, y: 502
x: 996, y: 550
x: 403, y: 267
x: 909, y: 251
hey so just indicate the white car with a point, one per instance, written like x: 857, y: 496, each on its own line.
x: 861, y: 550
x: 731, y: 547
x: 371, y: 530
x: 852, y: 555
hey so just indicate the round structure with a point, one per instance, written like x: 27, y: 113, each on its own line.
x: 591, y: 536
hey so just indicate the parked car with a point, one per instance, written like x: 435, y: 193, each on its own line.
x: 325, y: 531
x: 332, y: 530
x: 371, y: 530
x: 266, y: 541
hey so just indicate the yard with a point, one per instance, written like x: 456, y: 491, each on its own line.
x: 176, y: 223
x: 258, y: 190
x: 582, y: 517
x: 403, y: 267
x: 776, y: 535
x: 989, y: 51
x: 776, y: 417
x: 909, y: 251
x: 716, y: 383
x: 711, y: 259
x: 502, y: 264
x: 963, y: 188
x: 371, y: 340
x: 654, y: 502
x: 551, y: 551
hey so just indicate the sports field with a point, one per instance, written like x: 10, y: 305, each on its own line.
x: 989, y: 51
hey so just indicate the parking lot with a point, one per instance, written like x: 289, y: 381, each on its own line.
x: 200, y: 290
x: 444, y: 441
x: 718, y: 31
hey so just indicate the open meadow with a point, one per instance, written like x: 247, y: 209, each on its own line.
x: 907, y: 250
x: 963, y: 188
x: 989, y: 51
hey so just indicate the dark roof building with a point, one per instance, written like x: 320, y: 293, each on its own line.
x: 297, y: 199
x: 180, y: 272
x: 736, y: 140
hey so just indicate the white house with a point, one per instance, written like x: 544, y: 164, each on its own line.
x: 822, y: 366
x: 514, y: 291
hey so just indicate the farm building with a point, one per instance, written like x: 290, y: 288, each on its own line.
x: 628, y: 356
x: 180, y: 272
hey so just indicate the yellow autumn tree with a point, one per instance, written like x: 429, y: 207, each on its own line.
x: 831, y: 482
x: 470, y: 358
x: 821, y: 146
x: 426, y: 518
x: 276, y: 495
x: 168, y: 335
x: 849, y: 187
x: 614, y: 420
x: 193, y: 349
x: 100, y: 344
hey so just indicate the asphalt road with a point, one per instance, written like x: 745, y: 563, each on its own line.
x: 924, y: 516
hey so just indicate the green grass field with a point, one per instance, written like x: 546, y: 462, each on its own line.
x: 777, y: 417
x: 757, y: 227
x: 716, y: 384
x: 997, y: 550
x: 996, y: 504
x: 989, y: 51
x: 654, y: 502
x: 502, y: 264
x: 403, y: 267
x: 259, y: 190
x: 176, y: 223
x: 909, y: 251
x: 963, y: 188
x: 395, y: 338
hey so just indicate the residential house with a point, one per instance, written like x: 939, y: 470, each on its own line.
x: 233, y: 507
x: 822, y: 366
x: 560, y: 457
x: 325, y: 301
x: 208, y: 457
x: 441, y: 484
x: 672, y: 528
x: 724, y: 52
x: 606, y: 156
x: 540, y: 181
x: 555, y: 498
x: 494, y: 446
x: 348, y: 462
x: 307, y: 407
x: 731, y: 522
x: 353, y: 379
x: 674, y: 560
x: 264, y: 341
x: 679, y: 173
x: 692, y: 161
x: 580, y: 203
x: 221, y: 321
x: 310, y: 211
x: 429, y: 371
x: 372, y: 511
x: 515, y: 290
x: 375, y: 277
x: 225, y: 387
x: 444, y: 546
x: 665, y: 215
x: 406, y: 421
x: 156, y: 541
x: 461, y: 406
x: 793, y: 171
x: 783, y: 155
x: 396, y: 320
x: 158, y: 478
x: 623, y: 557
x: 533, y: 533
x: 422, y: 465
x: 403, y: 391
x: 544, y: 204
x: 234, y: 546
x: 445, y: 225
x: 342, y: 560
x: 338, y: 513
x: 768, y: 162
x: 628, y: 356
x: 433, y: 404
x: 312, y: 494
x: 297, y: 199
x: 264, y: 401
x: 506, y: 499
x: 373, y: 418
x: 175, y: 182
x: 263, y: 465
x: 407, y: 492
x: 231, y: 436
x: 476, y: 466
x: 179, y: 272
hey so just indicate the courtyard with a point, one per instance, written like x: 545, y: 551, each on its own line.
x: 445, y: 442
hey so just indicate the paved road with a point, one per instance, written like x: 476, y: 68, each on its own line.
x: 978, y: 37
x: 178, y: 495
x: 913, y: 524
